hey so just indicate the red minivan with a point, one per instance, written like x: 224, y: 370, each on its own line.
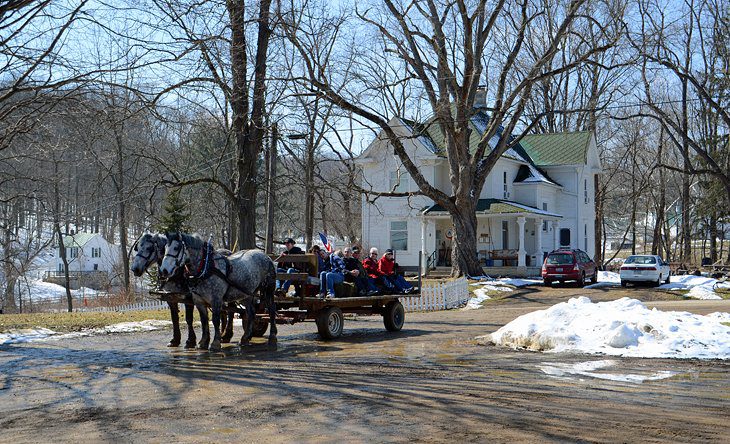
x: 569, y: 265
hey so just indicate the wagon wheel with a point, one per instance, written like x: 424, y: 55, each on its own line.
x: 259, y: 327
x: 394, y: 316
x: 330, y: 322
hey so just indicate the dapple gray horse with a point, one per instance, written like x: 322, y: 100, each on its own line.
x: 150, y: 249
x: 217, y: 279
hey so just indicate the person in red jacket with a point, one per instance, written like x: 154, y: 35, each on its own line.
x: 386, y: 266
x: 370, y: 264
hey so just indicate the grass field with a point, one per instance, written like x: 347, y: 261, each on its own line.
x: 68, y: 322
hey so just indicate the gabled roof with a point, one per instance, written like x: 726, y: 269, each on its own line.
x: 78, y: 239
x: 557, y: 148
x: 431, y: 136
x: 496, y: 206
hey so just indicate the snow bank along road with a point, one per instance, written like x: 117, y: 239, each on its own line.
x: 431, y: 382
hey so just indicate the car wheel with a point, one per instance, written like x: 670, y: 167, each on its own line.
x: 623, y: 283
x: 594, y: 278
x: 658, y: 281
x: 668, y: 276
x: 547, y: 283
x: 582, y: 280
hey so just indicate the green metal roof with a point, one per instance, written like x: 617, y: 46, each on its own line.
x: 497, y: 206
x: 557, y: 148
x: 77, y: 240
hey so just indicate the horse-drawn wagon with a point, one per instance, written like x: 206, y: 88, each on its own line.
x: 328, y: 313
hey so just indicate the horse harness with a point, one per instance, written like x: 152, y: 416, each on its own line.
x: 207, y: 268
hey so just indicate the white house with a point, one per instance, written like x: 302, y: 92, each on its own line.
x: 91, y: 260
x: 539, y: 196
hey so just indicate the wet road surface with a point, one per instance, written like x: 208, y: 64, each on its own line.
x: 431, y: 382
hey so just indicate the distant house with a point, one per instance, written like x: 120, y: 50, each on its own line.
x: 539, y: 196
x: 92, y: 261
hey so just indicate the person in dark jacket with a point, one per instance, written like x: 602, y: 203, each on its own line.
x: 357, y: 273
x: 286, y: 267
x: 386, y: 266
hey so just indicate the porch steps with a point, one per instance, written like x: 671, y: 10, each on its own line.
x: 439, y: 272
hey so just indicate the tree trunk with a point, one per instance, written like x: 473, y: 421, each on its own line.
x: 10, y: 304
x: 59, y: 235
x: 248, y: 132
x: 598, y: 200
x: 270, y: 195
x: 464, y: 259
x: 656, y: 243
x: 309, y: 192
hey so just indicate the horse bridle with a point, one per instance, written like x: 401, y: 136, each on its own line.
x: 147, y: 261
x: 179, y: 257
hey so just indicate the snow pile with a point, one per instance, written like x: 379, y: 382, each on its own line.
x: 621, y: 328
x: 40, y: 334
x: 700, y: 287
x: 515, y: 282
x: 593, y: 369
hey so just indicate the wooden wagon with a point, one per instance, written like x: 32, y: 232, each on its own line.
x: 328, y: 314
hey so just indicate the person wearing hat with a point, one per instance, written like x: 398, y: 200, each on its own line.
x: 286, y: 267
x: 386, y: 266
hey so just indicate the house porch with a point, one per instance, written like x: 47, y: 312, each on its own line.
x: 512, y: 238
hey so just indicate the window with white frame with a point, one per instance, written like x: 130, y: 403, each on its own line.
x: 586, y: 199
x: 398, y: 181
x: 585, y: 237
x: 73, y: 252
x: 544, y: 222
x: 399, y: 235
x: 96, y: 252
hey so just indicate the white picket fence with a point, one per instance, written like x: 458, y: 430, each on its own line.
x: 439, y: 296
x: 144, y: 305
x: 434, y: 296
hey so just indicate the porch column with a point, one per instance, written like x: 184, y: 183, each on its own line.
x: 556, y: 235
x: 538, y: 241
x: 521, y: 241
x: 424, y: 255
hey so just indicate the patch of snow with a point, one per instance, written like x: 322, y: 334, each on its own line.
x: 624, y: 327
x: 37, y: 290
x: 700, y: 287
x: 481, y: 295
x: 41, y: 334
x: 606, y: 279
x: 590, y: 369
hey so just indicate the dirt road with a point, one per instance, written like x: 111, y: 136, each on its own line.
x: 431, y: 382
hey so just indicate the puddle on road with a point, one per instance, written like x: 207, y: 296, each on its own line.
x: 597, y: 370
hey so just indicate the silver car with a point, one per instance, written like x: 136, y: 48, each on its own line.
x: 645, y: 268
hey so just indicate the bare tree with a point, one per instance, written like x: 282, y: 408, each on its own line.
x: 448, y: 50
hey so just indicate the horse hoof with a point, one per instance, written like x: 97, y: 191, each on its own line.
x: 272, y: 344
x: 215, y: 346
x: 190, y: 344
x: 244, y: 343
x: 226, y: 339
x: 174, y: 343
x: 203, y: 345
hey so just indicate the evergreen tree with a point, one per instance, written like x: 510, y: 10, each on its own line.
x: 175, y: 218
